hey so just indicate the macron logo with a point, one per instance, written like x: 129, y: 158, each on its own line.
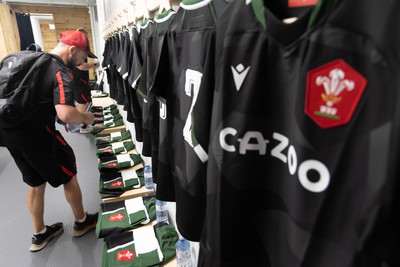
x: 239, y: 74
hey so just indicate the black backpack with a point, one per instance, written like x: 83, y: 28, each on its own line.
x: 19, y: 73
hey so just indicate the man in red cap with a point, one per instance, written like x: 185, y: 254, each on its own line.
x: 82, y: 89
x: 40, y: 151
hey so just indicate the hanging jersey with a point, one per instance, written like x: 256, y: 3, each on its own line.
x: 151, y: 118
x: 124, y: 70
x: 181, y: 82
x: 133, y: 77
x: 304, y: 141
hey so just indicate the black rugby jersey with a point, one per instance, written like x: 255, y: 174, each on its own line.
x: 181, y: 81
x: 146, y: 32
x: 162, y: 22
x: 132, y: 79
x: 82, y: 89
x: 304, y: 144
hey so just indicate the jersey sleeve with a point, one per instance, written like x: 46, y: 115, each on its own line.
x: 63, y: 91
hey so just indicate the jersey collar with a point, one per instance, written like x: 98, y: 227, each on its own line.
x: 318, y: 11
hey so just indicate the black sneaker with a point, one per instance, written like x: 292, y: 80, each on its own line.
x: 40, y: 241
x: 82, y: 228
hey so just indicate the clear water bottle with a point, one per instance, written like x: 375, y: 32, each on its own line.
x: 161, y: 211
x: 148, y: 178
x: 183, y: 255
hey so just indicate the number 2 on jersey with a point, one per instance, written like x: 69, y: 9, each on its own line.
x: 192, y: 88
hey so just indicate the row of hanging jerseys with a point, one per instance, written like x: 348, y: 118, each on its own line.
x: 273, y: 125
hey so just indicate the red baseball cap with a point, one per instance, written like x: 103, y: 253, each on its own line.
x: 77, y: 39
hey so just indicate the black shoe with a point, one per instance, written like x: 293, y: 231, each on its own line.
x: 40, y: 241
x: 82, y: 228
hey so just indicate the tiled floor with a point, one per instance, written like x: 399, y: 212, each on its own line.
x: 15, y: 222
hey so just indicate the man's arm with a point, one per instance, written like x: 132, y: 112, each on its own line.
x: 70, y: 115
x: 88, y: 65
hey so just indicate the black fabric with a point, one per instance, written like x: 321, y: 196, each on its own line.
x: 310, y: 192
x: 19, y: 76
x: 53, y: 162
x: 25, y: 30
x: 181, y: 80
x: 82, y: 92
x: 53, y: 86
x: 155, y: 43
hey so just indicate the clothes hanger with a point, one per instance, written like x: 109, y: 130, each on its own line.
x: 165, y: 5
x: 146, y: 14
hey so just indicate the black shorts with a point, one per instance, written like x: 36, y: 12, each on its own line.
x: 53, y: 162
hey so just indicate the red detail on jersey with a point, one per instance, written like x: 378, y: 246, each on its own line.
x: 84, y: 81
x: 84, y: 98
x: 61, y: 140
x: 332, y: 94
x: 61, y: 85
x: 116, y: 217
x: 125, y: 255
x: 300, y: 3
x: 71, y: 75
x: 113, y: 164
x: 116, y: 184
x: 67, y: 172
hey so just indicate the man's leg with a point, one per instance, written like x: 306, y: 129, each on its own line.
x: 35, y: 201
x: 73, y: 195
x: 84, y: 222
x: 42, y: 233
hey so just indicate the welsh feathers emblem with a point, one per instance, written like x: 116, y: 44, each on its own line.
x: 116, y: 184
x: 125, y: 255
x: 116, y: 217
x: 333, y: 93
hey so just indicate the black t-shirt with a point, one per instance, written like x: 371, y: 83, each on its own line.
x: 304, y: 145
x: 82, y: 88
x: 180, y: 82
x: 56, y: 87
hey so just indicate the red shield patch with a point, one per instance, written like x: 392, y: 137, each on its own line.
x: 333, y: 93
x: 125, y: 255
x: 116, y: 184
x: 116, y: 217
x: 299, y: 3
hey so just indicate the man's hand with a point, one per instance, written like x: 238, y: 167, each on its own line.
x: 89, y: 118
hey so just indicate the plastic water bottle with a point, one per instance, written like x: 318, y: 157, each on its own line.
x: 148, y: 178
x: 183, y: 255
x: 161, y: 211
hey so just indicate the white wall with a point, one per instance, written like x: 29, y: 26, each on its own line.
x: 37, y: 33
x: 35, y: 21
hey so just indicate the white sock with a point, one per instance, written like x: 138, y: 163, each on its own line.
x: 41, y: 232
x: 83, y: 219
